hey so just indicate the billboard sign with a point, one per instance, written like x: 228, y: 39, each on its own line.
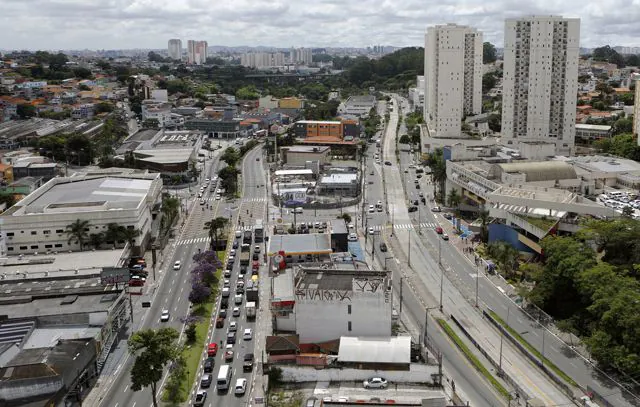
x: 114, y: 275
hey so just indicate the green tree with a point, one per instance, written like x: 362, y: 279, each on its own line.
x: 483, y: 215
x: 82, y: 73
x: 103, y: 107
x: 438, y: 167
x: 215, y: 228
x: 229, y: 178
x: 153, y: 351
x: 346, y: 217
x: 489, y: 53
x: 26, y: 111
x: 404, y: 139
x: 231, y: 156
x: 618, y: 240
x: 78, y: 232
x: 129, y: 235
x: 555, y: 290
x: 170, y: 209
x: 96, y: 240
x: 454, y: 199
x: 489, y: 81
x: 248, y: 93
x: 623, y: 125
x: 495, y: 122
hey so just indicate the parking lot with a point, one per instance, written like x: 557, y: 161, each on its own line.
x: 619, y: 200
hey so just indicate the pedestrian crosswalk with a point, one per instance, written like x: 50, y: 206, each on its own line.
x: 405, y: 226
x: 194, y: 240
x: 254, y: 199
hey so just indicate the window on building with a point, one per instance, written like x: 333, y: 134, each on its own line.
x: 46, y: 232
x: 349, y: 309
x: 58, y: 245
x: 23, y: 247
x: 33, y: 232
x: 34, y: 247
x: 48, y: 246
x: 349, y: 326
x: 9, y: 234
x: 59, y: 230
x: 10, y: 248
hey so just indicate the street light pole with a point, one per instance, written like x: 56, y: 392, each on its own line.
x: 477, y: 282
x: 401, y: 281
x: 500, y: 371
x: 409, y: 252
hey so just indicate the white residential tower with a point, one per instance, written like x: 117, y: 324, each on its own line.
x: 540, y: 82
x: 175, y: 49
x: 452, y: 77
x: 196, y: 52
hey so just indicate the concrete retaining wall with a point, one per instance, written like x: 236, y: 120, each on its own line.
x: 418, y: 373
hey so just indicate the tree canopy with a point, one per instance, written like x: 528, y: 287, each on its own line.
x: 596, y: 293
x: 489, y: 53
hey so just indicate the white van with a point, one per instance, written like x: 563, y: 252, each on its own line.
x: 298, y: 210
x: 224, y: 377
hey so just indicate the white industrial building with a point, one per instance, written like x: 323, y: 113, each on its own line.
x: 323, y: 305
x: 38, y: 223
x: 357, y: 106
x: 452, y: 77
x: 175, y: 49
x: 540, y: 81
x: 416, y: 95
x: 160, y: 111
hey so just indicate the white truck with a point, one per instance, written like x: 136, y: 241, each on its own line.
x: 250, y: 309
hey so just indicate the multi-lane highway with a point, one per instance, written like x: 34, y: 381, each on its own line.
x: 251, y: 207
x: 169, y: 292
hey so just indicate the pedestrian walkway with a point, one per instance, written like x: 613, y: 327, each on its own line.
x: 203, y: 239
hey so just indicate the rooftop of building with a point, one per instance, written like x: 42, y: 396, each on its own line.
x: 605, y: 164
x: 339, y: 179
x: 536, y: 171
x: 88, y: 194
x: 307, y: 149
x: 394, y: 349
x: 313, y: 243
x: 303, y: 171
x: 361, y: 99
x: 340, y: 279
x: 336, y: 122
x: 581, y: 126
x: 17, y: 307
x: 54, y: 265
x: 165, y: 155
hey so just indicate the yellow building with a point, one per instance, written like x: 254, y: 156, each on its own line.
x: 6, y: 172
x: 291, y: 103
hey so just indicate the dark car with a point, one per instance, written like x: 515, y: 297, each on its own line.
x: 247, y: 364
x: 417, y: 186
x: 413, y: 209
x: 387, y: 163
x: 383, y: 247
x: 209, y: 363
x: 235, y: 244
x: 205, y: 381
x: 423, y: 200
x: 231, y: 337
x: 255, y: 256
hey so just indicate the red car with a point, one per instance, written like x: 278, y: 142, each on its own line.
x: 439, y: 230
x: 136, y: 282
x: 212, y: 350
x: 256, y: 266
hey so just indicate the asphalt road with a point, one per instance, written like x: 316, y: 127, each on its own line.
x: 171, y: 292
x: 423, y: 259
x: 251, y: 207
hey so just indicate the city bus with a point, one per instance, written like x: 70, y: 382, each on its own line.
x: 258, y: 231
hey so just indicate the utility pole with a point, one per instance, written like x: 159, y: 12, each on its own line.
x: 477, y: 282
x: 373, y: 245
x: 401, y: 281
x: 500, y: 371
x: 441, y: 274
x: 409, y: 252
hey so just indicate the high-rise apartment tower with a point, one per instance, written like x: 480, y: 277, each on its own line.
x: 540, y: 81
x: 452, y: 76
x: 175, y: 49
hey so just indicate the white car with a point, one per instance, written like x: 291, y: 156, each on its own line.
x: 217, y: 197
x: 247, y: 335
x: 236, y: 311
x: 371, y: 209
x: 177, y: 265
x: 233, y: 326
x: 351, y: 226
x: 375, y: 383
x: 232, y: 252
x: 370, y: 231
x: 165, y: 316
x: 241, y: 387
x: 352, y: 237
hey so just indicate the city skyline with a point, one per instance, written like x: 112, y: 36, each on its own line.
x: 79, y: 24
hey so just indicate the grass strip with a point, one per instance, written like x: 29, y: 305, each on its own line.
x: 533, y: 350
x: 192, y: 353
x: 472, y: 358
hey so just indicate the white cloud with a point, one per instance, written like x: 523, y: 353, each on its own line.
x: 112, y: 24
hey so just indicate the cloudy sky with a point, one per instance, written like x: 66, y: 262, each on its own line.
x: 121, y: 24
